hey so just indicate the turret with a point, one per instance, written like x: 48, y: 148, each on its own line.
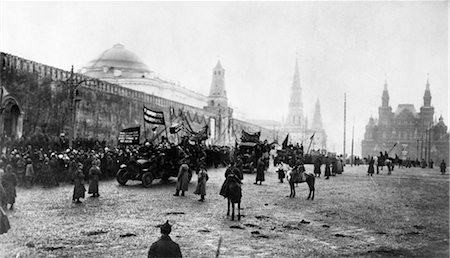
x: 217, y: 94
x: 427, y: 95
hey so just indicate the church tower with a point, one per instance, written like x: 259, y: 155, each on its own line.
x: 295, y: 113
x: 320, y: 137
x: 427, y: 111
x: 385, y: 111
x: 317, y: 119
x: 295, y: 123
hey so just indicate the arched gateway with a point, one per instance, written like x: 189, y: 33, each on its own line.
x: 11, y: 121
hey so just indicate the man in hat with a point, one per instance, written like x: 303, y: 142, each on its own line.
x: 165, y: 246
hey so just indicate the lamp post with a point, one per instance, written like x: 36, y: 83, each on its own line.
x: 73, y: 84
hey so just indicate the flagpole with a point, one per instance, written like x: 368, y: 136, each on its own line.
x: 312, y: 137
x: 345, y: 121
x: 143, y: 121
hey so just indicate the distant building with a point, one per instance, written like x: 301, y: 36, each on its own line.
x: 296, y: 124
x: 120, y: 66
x: 414, y: 134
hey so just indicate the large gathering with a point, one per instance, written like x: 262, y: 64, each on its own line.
x: 224, y: 129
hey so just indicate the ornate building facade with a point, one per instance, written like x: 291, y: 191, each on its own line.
x: 407, y: 133
x: 296, y: 124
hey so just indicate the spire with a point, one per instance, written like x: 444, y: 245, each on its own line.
x: 296, y: 81
x: 385, y: 96
x: 295, y: 113
x: 317, y: 118
x: 217, y: 92
x: 427, y: 95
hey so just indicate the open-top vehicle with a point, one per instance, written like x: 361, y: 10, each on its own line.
x: 161, y: 165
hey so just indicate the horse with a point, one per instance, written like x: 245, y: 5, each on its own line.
x: 232, y: 190
x: 295, y: 176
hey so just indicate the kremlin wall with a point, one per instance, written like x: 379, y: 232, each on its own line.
x: 36, y: 99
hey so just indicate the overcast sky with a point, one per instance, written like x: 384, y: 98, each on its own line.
x: 341, y: 47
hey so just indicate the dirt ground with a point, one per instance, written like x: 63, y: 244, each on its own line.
x: 403, y: 214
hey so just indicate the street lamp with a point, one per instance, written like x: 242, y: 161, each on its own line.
x: 73, y: 84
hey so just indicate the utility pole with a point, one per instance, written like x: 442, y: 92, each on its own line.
x: 353, y: 138
x: 429, y: 143
x: 2, y: 124
x: 345, y: 122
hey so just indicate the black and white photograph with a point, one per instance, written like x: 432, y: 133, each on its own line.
x: 224, y: 129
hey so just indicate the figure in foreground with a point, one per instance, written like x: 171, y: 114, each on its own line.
x: 165, y: 246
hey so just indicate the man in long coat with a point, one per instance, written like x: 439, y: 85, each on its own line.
x: 443, y: 167
x: 94, y: 174
x: 317, y: 165
x: 327, y: 168
x: 183, y: 180
x: 260, y: 167
x: 201, y: 184
x: 78, y: 190
x: 165, y: 246
x: 9, y: 182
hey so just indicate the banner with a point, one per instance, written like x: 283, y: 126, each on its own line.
x: 247, y: 137
x: 130, y: 135
x: 201, y: 135
x: 153, y: 117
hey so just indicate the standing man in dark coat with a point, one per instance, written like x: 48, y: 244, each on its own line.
x: 443, y: 167
x: 9, y: 182
x: 183, y: 180
x: 317, y: 165
x: 165, y: 246
x: 371, y: 168
x: 260, y: 167
x: 327, y: 168
x: 94, y: 174
x: 78, y: 190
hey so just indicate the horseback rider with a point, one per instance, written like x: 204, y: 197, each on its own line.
x: 230, y: 175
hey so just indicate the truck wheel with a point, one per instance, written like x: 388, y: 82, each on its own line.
x: 121, y: 176
x: 147, y: 179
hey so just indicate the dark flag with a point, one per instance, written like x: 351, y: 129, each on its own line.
x: 285, y: 142
x: 153, y: 117
x: 130, y: 135
x: 312, y: 137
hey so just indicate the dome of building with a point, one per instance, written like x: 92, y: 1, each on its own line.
x: 116, y: 62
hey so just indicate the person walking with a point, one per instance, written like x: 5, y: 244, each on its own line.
x: 201, y: 184
x: 183, y: 180
x: 327, y: 168
x: 29, y: 173
x: 165, y: 246
x: 317, y: 165
x: 9, y: 182
x: 94, y: 175
x: 371, y: 168
x: 4, y: 222
x: 78, y: 190
x: 443, y: 167
x: 260, y: 167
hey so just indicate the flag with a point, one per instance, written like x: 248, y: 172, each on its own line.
x: 312, y: 137
x: 153, y: 117
x: 285, y: 142
x: 130, y: 135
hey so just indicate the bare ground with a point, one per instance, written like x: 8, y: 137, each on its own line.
x: 404, y: 214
